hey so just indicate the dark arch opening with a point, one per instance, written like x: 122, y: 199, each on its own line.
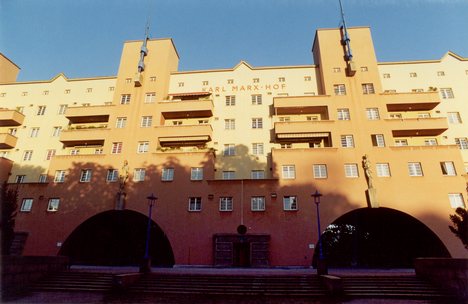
x: 117, y: 238
x: 378, y: 237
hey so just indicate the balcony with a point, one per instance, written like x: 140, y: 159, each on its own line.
x: 88, y: 114
x: 303, y: 130
x: 7, y: 141
x: 84, y: 137
x: 184, y: 135
x: 175, y: 109
x: 10, y: 118
x: 421, y: 101
x: 417, y: 126
x: 301, y: 105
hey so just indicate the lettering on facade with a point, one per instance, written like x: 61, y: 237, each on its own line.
x: 245, y: 88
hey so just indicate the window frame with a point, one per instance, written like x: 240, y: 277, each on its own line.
x: 196, y: 173
x: 351, y: 170
x: 448, y: 168
x: 288, y: 171
x: 226, y: 204
x: 195, y: 204
x: 86, y: 175
x: 167, y: 174
x: 347, y: 141
x: 257, y: 203
x: 26, y: 204
x: 383, y: 170
x: 320, y: 171
x: 112, y: 175
x: 368, y: 88
x: 415, y: 169
x: 53, y: 204
x: 289, y: 205
x: 139, y: 174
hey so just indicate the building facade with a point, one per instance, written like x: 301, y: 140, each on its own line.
x: 233, y: 155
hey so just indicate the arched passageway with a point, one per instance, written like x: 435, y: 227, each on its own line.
x: 117, y: 237
x: 378, y: 237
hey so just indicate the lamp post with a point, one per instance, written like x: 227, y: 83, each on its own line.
x: 145, y: 266
x: 321, y: 264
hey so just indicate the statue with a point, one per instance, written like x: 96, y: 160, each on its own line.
x: 366, y: 164
x: 123, y: 177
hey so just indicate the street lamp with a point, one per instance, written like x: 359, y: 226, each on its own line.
x: 145, y: 267
x: 321, y: 265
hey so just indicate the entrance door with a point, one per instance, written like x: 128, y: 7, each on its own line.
x: 241, y: 254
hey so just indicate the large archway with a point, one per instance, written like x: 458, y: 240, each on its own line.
x: 378, y: 237
x: 117, y: 237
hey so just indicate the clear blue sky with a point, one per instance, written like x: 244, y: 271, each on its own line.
x: 83, y: 38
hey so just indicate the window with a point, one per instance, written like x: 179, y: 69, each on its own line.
x: 307, y: 78
x: 430, y: 142
x: 364, y: 69
x: 89, y: 90
x: 401, y: 142
x: 229, y: 174
x: 203, y: 121
x: 181, y: 84
x: 225, y: 204
x: 456, y: 200
x: 59, y: 176
x: 20, y: 109
x: 343, y: 114
x: 146, y: 121
x: 20, y: 179
x: 62, y: 109
x: 43, y: 178
x: 383, y: 169
x: 128, y: 80
x: 41, y: 110
x: 4, y: 154
x: 395, y: 116
x: 368, y: 88
x: 230, y: 81
x: 121, y: 122
x: 347, y: 141
x: 339, y: 89
x: 424, y: 115
x: 125, y: 99
x: 289, y: 203
x: 194, y: 204
x: 448, y: 168
x: 284, y: 118
x: 27, y: 155
x: 196, y: 174
x: 167, y: 174
x: 205, y: 83
x: 314, y: 117
x: 256, y: 80
x: 56, y: 132
x: 351, y: 170
x: 446, y: 93
x: 98, y: 151
x: 462, y: 143
x: 177, y: 122
x: 150, y: 97
x: 229, y: 150
x: 378, y: 140
x: 12, y: 131
x: 26, y: 205
x: 289, y: 171
x: 67, y: 91
x: 336, y: 70
x: 153, y: 78
x: 139, y: 175
x: 372, y: 113
x: 257, y: 174
x: 320, y: 171
x: 85, y: 176
x: 413, y: 75
x: 257, y: 123
x: 257, y: 99
x: 50, y: 154
x: 257, y: 148
x: 454, y: 118
x: 116, y: 148
x: 257, y: 203
x: 24, y: 94
x: 281, y: 79
x: 440, y: 73
x: 34, y: 132
x: 143, y: 147
x: 74, y: 151
x: 229, y: 124
x: 111, y: 89
x: 415, y: 169
x: 386, y: 75
x: 112, y: 175
x: 53, y: 204
x: 230, y: 100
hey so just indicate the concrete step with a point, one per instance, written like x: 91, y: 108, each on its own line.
x: 74, y: 281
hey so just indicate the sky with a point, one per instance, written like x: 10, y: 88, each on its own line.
x: 84, y: 38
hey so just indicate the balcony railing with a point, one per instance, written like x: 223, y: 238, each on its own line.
x: 88, y: 114
x: 302, y: 105
x: 7, y: 141
x: 417, y: 126
x: 303, y: 130
x: 172, y: 109
x: 84, y: 137
x: 184, y: 135
x: 10, y: 118
x: 420, y: 101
